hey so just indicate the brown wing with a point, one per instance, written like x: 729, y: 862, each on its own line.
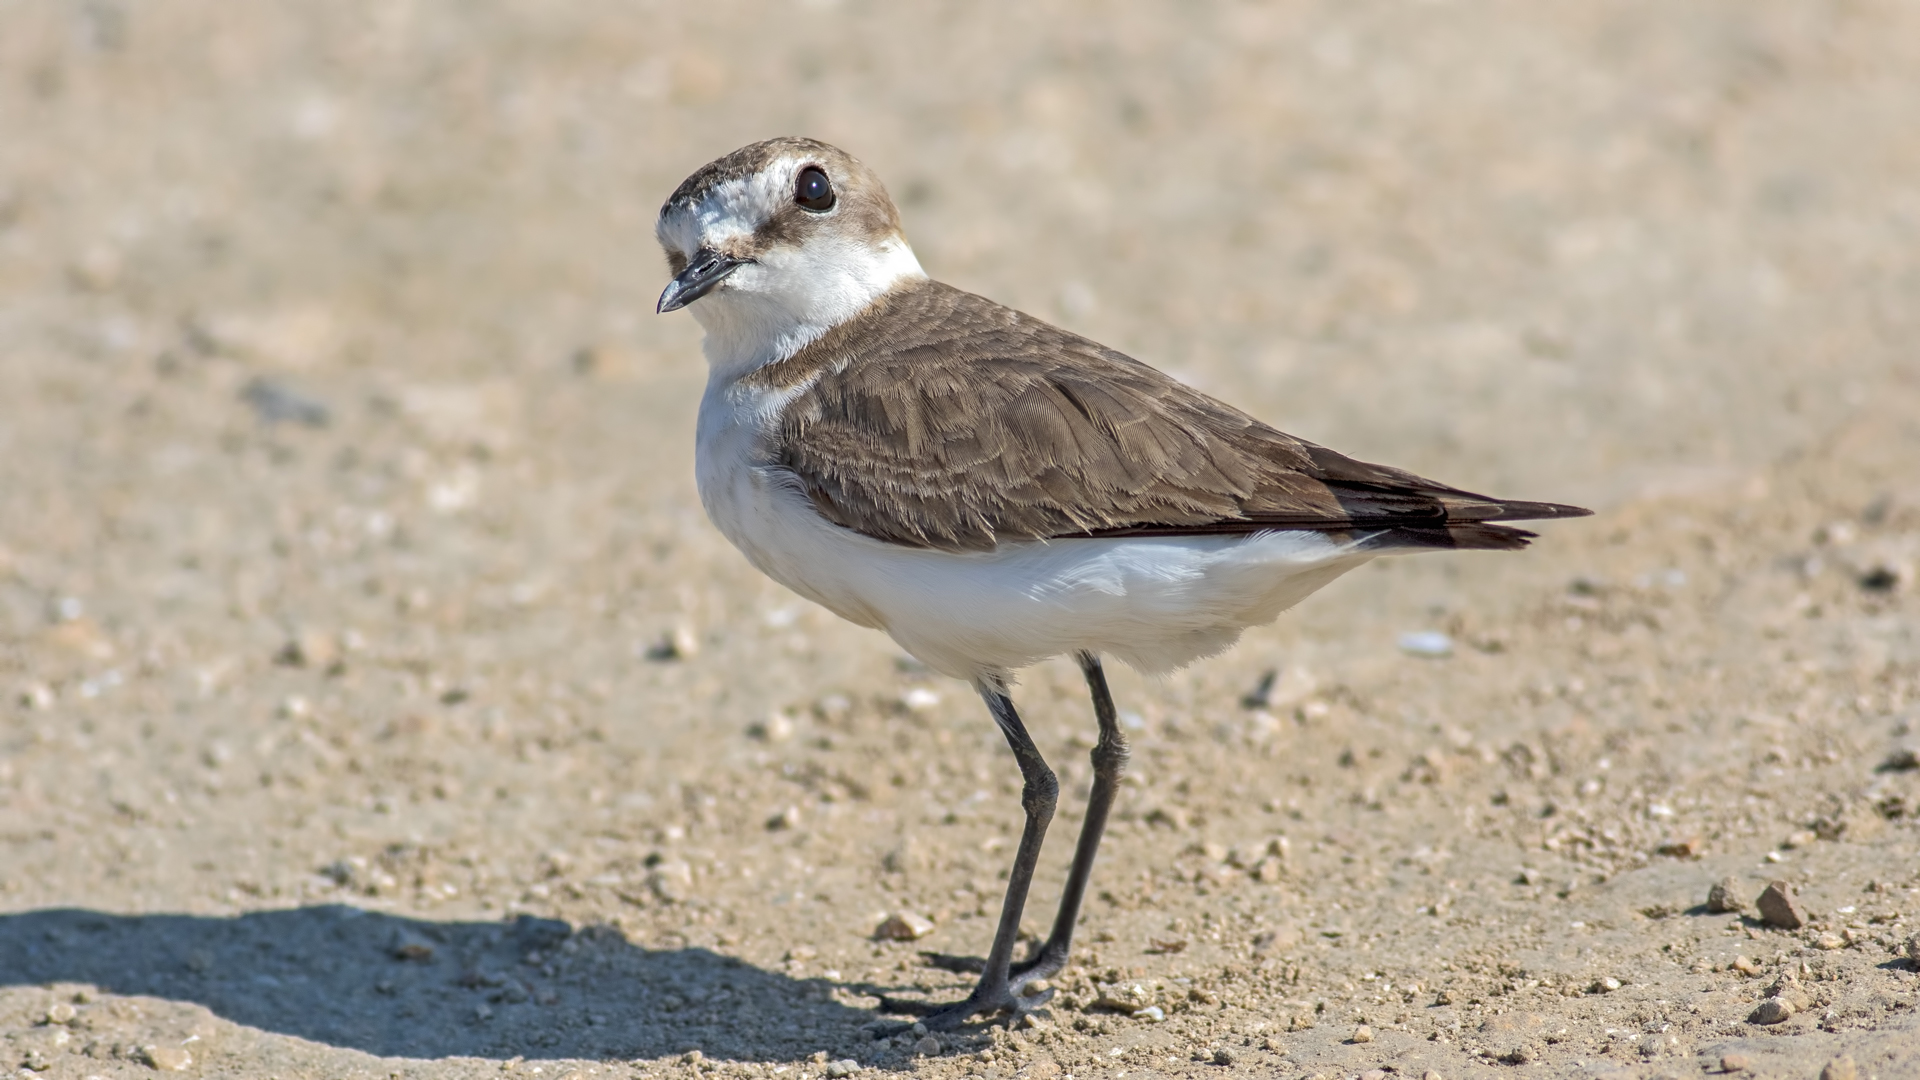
x: 975, y: 424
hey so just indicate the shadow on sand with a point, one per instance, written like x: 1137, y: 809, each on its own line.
x: 401, y: 987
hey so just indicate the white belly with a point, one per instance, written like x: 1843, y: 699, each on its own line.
x: 1154, y: 603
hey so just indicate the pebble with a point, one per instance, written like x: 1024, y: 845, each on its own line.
x: 681, y: 643
x: 1152, y: 1014
x: 275, y: 402
x: 1362, y: 1034
x: 928, y: 1046
x: 671, y: 880
x: 785, y: 819
x: 1724, y: 897
x: 1374, y: 1074
x: 411, y: 947
x: 1733, y: 1063
x: 1771, y: 1011
x: 845, y: 1067
x: 1428, y: 643
x: 60, y: 1012
x: 1830, y: 942
x: 1745, y: 966
x: 1604, y: 986
x: 777, y: 727
x: 168, y: 1058
x: 310, y: 649
x: 1431, y: 1074
x: 1779, y: 908
x: 1841, y: 1068
x: 1122, y: 997
x: 903, y: 926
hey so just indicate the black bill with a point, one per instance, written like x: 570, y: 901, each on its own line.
x: 707, y: 269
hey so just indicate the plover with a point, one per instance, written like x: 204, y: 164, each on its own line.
x: 991, y: 490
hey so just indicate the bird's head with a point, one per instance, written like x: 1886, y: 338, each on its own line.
x: 778, y: 242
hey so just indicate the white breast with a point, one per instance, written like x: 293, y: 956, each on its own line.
x: 1155, y: 603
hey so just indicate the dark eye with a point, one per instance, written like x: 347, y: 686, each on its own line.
x: 813, y: 191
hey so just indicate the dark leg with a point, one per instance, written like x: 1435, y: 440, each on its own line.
x: 1109, y: 762
x: 995, y: 991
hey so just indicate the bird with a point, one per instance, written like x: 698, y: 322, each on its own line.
x: 991, y: 490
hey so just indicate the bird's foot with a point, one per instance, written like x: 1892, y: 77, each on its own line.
x: 984, y: 1001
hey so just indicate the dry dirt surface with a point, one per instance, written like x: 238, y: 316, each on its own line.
x: 379, y: 703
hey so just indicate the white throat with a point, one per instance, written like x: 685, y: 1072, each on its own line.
x: 769, y: 309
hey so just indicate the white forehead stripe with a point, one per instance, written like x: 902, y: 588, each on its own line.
x: 728, y: 210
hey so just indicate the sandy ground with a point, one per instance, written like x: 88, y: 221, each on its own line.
x: 378, y: 703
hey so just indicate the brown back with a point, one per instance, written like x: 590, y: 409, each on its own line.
x: 960, y: 423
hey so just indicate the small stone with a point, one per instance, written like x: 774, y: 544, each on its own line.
x: 788, y: 818
x: 1604, y: 986
x: 1840, y: 1068
x: 1905, y: 759
x: 692, y: 1057
x: 1724, y: 897
x: 1690, y: 848
x: 1122, y: 997
x: 1771, y: 1011
x: 60, y: 1012
x: 777, y: 727
x: 411, y: 947
x: 681, y: 643
x: 1280, y: 939
x: 928, y: 1046
x: 168, y: 1058
x: 903, y: 926
x: 1778, y: 907
x: 1733, y: 1063
x: 1745, y: 966
x: 1222, y: 1056
x: 1375, y: 1074
x: 1152, y: 1014
x: 837, y: 1070
x: 1362, y: 1034
x: 1830, y: 942
x: 1428, y: 643
x: 1800, y: 839
x: 310, y: 649
x: 1431, y: 1074
x: 1044, y: 1069
x: 671, y: 880
x: 1273, y: 1044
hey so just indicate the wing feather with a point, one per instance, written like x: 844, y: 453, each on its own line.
x: 975, y: 424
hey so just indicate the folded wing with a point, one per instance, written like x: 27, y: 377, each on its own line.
x: 976, y: 425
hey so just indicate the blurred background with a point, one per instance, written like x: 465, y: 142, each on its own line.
x: 312, y: 313
x: 332, y: 400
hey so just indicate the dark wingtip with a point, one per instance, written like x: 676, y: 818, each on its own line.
x: 1536, y: 511
x: 1465, y: 536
